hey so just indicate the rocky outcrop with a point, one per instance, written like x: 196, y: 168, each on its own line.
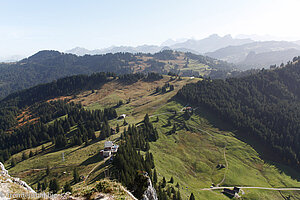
x: 8, y: 180
x: 150, y: 192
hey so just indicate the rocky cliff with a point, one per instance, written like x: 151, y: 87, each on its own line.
x: 11, y: 185
x: 150, y: 192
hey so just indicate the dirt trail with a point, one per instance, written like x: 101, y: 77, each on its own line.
x: 260, y: 188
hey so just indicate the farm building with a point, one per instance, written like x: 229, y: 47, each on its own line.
x: 108, y: 145
x: 232, y: 193
x: 105, y: 153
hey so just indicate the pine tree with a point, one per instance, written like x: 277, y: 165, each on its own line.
x: 76, y: 177
x: 154, y: 177
x: 13, y: 162
x: 164, y: 182
x: 171, y: 180
x: 67, y: 187
x: 54, y: 186
x: 30, y: 154
x: 24, y: 156
x: 192, y: 197
x: 118, y: 128
x: 44, y: 185
x: 47, y: 170
x: 39, y: 187
x: 146, y: 119
x: 178, y: 195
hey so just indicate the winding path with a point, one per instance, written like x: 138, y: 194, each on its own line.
x: 260, y: 188
x: 100, y: 163
x: 226, y: 169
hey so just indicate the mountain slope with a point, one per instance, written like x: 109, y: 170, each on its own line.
x: 46, y: 66
x: 189, y: 155
x: 190, y: 144
x: 264, y: 106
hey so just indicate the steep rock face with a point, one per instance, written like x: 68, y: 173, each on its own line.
x: 9, y: 184
x: 150, y: 192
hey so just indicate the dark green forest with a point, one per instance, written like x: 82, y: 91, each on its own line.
x: 265, y: 106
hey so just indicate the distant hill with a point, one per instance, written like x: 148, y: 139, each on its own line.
x: 258, y: 54
x: 46, y: 66
x: 255, y: 60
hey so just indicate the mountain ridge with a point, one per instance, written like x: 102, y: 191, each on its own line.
x: 213, y: 42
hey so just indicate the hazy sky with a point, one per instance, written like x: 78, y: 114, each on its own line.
x: 27, y: 26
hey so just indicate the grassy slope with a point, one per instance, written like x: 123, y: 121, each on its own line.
x: 85, y: 158
x: 189, y: 156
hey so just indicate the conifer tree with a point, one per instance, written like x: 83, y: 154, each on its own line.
x: 67, y: 187
x: 192, y: 197
x: 76, y: 177
x: 54, y: 186
x: 118, y: 128
x: 24, y: 156
x: 154, y: 177
x: 47, y: 170
x: 13, y: 162
x: 171, y: 180
x: 164, y: 182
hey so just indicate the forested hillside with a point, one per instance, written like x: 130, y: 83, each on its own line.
x: 265, y: 105
x: 46, y: 66
x: 18, y: 133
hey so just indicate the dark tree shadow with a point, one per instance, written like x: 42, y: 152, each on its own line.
x: 91, y: 160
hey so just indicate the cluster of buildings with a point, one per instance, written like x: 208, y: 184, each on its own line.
x: 109, y: 149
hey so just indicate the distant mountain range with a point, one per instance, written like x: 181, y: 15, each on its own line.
x: 211, y: 43
x: 208, y: 44
x: 245, y: 52
x: 258, y: 54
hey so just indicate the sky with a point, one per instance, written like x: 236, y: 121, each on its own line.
x: 32, y: 25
